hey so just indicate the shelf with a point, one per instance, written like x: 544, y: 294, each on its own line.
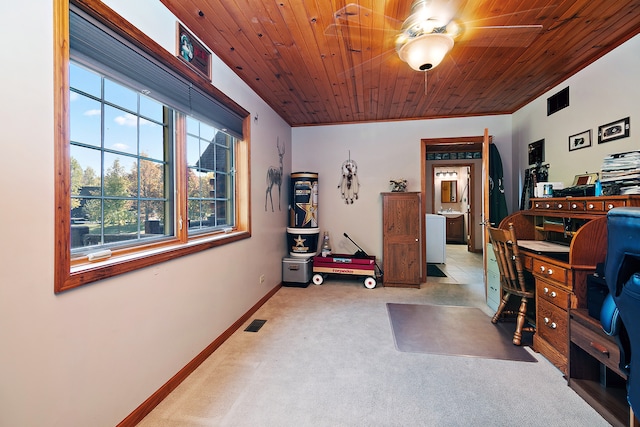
x: 608, y: 402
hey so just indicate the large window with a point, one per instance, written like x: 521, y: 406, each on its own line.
x: 151, y: 160
x: 121, y: 166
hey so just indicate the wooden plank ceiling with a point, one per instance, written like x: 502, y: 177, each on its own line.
x: 329, y: 61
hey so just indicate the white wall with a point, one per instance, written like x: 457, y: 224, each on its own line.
x: 603, y: 92
x: 90, y: 356
x: 383, y: 151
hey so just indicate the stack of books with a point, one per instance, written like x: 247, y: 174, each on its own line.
x: 622, y: 171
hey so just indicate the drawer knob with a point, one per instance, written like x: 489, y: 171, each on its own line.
x: 550, y: 271
x: 549, y: 323
x: 547, y: 205
x: 553, y: 294
x: 546, y: 290
x: 574, y: 206
x: 599, y: 347
x: 590, y: 205
x: 559, y: 205
x: 610, y: 206
x: 542, y: 268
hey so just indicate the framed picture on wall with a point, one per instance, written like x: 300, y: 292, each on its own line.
x: 614, y: 130
x: 536, y: 152
x: 580, y: 140
x: 193, y: 52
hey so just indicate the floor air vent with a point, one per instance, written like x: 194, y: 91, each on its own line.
x: 255, y: 325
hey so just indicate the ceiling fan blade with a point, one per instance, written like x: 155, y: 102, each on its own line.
x: 359, y: 29
x: 368, y: 36
x: 500, y: 36
x: 353, y: 13
x: 514, y: 29
x: 359, y: 33
x: 506, y: 19
x: 386, y: 58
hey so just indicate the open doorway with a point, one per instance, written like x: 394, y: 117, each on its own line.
x: 453, y: 197
x: 460, y: 152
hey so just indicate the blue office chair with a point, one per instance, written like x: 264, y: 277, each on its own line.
x: 620, y: 314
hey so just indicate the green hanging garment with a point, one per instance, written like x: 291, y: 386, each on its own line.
x: 497, y: 201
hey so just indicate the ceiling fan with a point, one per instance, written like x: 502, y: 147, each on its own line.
x: 427, y: 34
x: 430, y: 31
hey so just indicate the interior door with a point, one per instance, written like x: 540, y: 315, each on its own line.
x: 402, y: 239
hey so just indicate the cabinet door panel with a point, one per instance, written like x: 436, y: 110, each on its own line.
x: 401, y: 216
x: 402, y: 263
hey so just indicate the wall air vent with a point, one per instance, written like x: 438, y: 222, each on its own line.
x: 558, y: 101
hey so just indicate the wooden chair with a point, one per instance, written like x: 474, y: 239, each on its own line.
x: 512, y: 280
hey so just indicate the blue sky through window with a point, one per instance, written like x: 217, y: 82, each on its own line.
x: 132, y: 124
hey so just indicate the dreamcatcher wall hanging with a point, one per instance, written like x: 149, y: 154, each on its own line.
x: 349, y: 184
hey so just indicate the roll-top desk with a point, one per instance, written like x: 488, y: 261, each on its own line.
x: 561, y: 277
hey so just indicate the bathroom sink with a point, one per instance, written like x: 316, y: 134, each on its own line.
x: 450, y: 214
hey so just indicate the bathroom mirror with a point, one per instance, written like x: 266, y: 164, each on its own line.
x: 448, y: 191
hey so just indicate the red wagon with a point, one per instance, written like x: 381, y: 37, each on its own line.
x: 345, y: 264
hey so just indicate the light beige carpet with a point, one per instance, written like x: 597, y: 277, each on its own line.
x: 326, y: 358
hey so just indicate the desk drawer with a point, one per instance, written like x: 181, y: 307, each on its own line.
x: 594, y: 206
x: 577, y: 205
x: 610, y: 204
x: 599, y: 346
x: 552, y: 324
x: 555, y: 295
x: 550, y: 271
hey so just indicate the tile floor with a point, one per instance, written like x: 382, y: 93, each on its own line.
x: 462, y: 266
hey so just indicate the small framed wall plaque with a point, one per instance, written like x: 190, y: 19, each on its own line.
x: 580, y: 140
x: 614, y: 130
x: 193, y: 52
x: 536, y: 152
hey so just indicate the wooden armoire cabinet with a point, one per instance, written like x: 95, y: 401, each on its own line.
x: 401, y: 237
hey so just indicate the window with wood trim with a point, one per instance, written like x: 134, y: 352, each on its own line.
x: 151, y: 160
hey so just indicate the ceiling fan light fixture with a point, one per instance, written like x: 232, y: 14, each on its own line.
x: 425, y: 52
